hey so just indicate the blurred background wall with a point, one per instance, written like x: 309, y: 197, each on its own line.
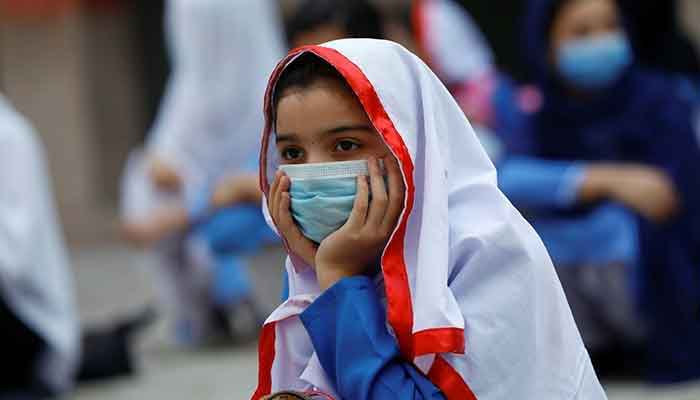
x: 89, y: 75
x: 86, y: 76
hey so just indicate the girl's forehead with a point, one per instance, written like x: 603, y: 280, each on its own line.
x: 584, y: 9
x: 319, y: 104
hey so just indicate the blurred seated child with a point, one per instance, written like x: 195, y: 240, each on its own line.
x: 620, y: 142
x: 192, y: 186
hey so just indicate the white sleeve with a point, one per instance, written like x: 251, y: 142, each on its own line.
x: 182, y: 108
x: 17, y: 195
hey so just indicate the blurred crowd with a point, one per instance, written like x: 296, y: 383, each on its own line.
x: 597, y: 145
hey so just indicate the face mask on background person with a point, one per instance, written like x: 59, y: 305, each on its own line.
x: 596, y: 62
x: 323, y: 195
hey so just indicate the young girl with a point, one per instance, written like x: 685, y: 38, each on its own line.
x: 420, y: 280
x: 631, y: 132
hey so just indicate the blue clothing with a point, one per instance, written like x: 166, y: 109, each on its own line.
x: 348, y: 330
x: 607, y: 235
x: 231, y: 283
x: 285, y: 286
x: 239, y: 229
x: 644, y: 118
x: 546, y: 192
x: 536, y: 184
x: 230, y: 234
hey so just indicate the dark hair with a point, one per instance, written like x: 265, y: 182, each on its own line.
x: 358, y: 18
x: 302, y: 73
x: 553, y: 14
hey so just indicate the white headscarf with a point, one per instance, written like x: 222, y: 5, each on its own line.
x: 222, y: 51
x: 34, y: 277
x: 472, y: 296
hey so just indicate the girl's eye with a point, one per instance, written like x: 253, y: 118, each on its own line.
x: 346, y: 145
x: 291, y: 153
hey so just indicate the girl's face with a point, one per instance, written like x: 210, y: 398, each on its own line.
x: 584, y: 19
x: 324, y: 123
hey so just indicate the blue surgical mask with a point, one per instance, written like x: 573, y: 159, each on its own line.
x: 323, y: 195
x: 596, y: 62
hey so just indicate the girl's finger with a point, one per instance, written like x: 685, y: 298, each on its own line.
x: 358, y: 215
x: 272, y: 198
x: 282, y: 194
x: 283, y: 186
x: 286, y: 222
x: 380, y: 199
x: 396, y: 192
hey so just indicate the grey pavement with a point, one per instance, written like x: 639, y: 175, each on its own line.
x: 112, y: 281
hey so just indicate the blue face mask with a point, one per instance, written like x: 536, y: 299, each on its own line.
x: 323, y: 195
x: 594, y: 63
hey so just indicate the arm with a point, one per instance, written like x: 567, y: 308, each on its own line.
x: 162, y: 223
x: 544, y: 184
x: 236, y: 229
x: 237, y: 189
x: 536, y: 183
x: 148, y: 213
x: 348, y: 329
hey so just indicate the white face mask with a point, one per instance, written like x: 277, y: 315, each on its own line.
x: 323, y: 195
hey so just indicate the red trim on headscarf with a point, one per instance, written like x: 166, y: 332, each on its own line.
x: 450, y: 382
x: 438, y: 340
x: 398, y: 292
x: 266, y: 356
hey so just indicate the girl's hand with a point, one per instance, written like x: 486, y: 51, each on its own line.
x: 648, y: 191
x: 236, y: 190
x: 279, y: 204
x: 351, y: 249
x: 164, y: 176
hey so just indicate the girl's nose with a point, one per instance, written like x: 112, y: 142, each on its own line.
x: 318, y: 156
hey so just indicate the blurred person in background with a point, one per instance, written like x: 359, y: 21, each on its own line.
x: 39, y: 332
x: 320, y: 21
x: 43, y: 349
x: 629, y: 133
x: 189, y: 194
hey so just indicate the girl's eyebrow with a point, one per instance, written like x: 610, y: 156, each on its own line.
x: 286, y: 137
x: 293, y: 137
x: 345, y: 128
